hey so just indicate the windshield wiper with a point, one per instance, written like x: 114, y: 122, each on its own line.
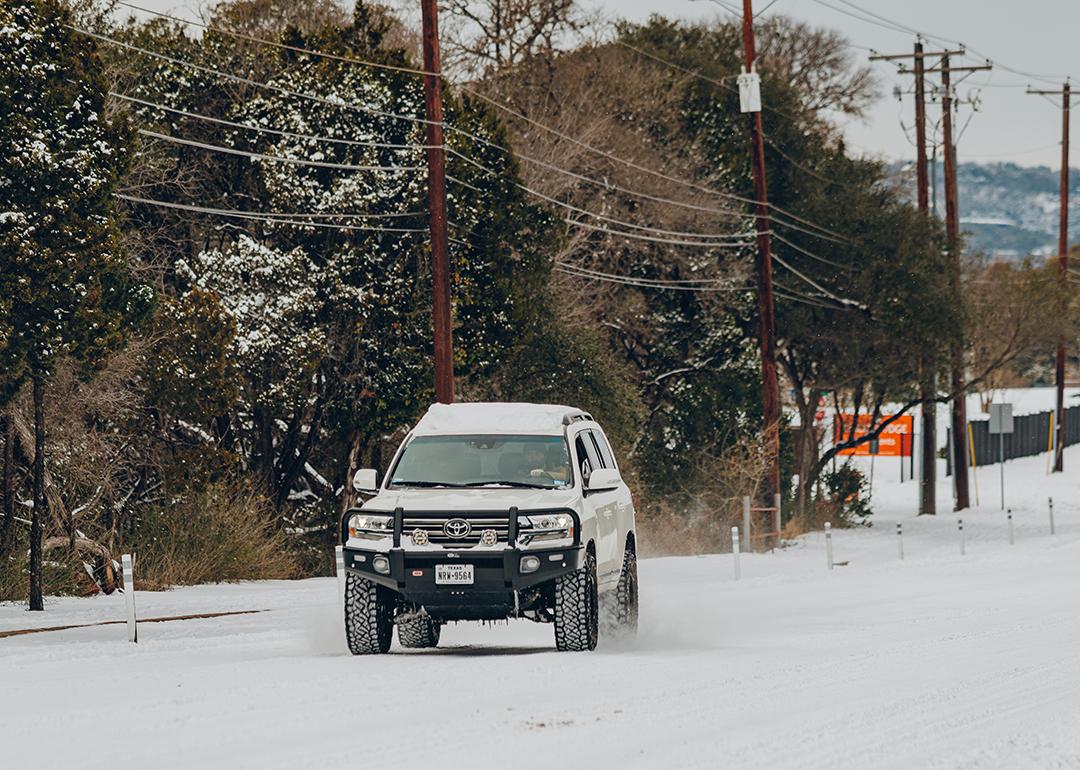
x: 425, y: 484
x: 516, y: 484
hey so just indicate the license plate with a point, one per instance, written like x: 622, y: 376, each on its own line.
x: 453, y: 574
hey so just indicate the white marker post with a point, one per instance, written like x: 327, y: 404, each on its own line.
x: 746, y: 531
x: 828, y: 544
x: 1012, y: 535
x: 900, y: 540
x: 127, y: 564
x: 1051, y: 515
x: 339, y: 561
x: 735, y: 550
x: 778, y: 516
x: 960, y: 526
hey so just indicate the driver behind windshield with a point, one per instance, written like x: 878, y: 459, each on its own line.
x: 546, y: 464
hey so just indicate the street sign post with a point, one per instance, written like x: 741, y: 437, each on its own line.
x: 1001, y: 422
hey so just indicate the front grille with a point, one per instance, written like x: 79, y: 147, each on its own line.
x: 433, y: 525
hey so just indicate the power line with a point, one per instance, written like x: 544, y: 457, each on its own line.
x: 589, y: 148
x: 336, y: 103
x: 632, y: 236
x: 277, y: 44
x: 703, y: 77
x: 668, y: 241
x: 575, y: 209
x: 284, y: 219
x: 273, y: 158
x: 262, y: 130
x: 414, y: 119
x: 810, y: 254
x: 707, y: 285
x: 362, y: 62
x: 836, y: 236
x: 807, y: 279
x: 348, y: 105
x: 895, y: 26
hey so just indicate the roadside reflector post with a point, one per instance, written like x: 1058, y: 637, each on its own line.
x: 777, y: 517
x: 900, y: 540
x: 1051, y: 515
x: 1012, y: 535
x: 339, y: 561
x: 735, y: 550
x: 828, y: 544
x: 746, y: 531
x: 127, y: 564
x: 960, y: 526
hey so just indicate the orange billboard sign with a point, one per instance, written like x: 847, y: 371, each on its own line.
x: 896, y: 440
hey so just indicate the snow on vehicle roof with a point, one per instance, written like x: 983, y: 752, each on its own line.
x: 544, y: 419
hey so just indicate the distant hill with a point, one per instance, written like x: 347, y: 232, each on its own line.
x: 1009, y: 211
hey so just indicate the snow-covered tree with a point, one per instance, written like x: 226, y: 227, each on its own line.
x: 332, y: 319
x: 66, y: 287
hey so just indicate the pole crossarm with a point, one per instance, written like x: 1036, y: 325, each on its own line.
x: 950, y: 68
x: 915, y: 55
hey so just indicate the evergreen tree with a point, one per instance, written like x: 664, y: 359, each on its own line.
x: 60, y: 157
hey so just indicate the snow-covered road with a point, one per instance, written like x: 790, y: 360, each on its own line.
x: 939, y: 661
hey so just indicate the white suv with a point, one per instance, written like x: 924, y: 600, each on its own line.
x: 489, y: 512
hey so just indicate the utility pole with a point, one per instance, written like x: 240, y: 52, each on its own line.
x: 770, y: 388
x: 928, y: 368
x: 436, y: 159
x: 1063, y: 268
x: 952, y: 234
x: 928, y: 379
x: 952, y: 231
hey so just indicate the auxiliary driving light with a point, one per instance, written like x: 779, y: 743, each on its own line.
x: 382, y: 565
x: 529, y: 564
x: 488, y: 537
x: 420, y: 536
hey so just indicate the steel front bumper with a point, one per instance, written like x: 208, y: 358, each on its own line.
x: 412, y: 573
x: 497, y: 575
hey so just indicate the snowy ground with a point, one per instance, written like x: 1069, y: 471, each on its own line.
x: 939, y: 661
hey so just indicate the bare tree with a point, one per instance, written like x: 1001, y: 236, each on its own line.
x: 490, y: 36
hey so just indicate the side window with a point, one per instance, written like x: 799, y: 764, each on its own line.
x: 603, y: 448
x: 588, y: 457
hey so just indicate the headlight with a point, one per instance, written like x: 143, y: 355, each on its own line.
x: 545, y: 527
x: 370, y: 526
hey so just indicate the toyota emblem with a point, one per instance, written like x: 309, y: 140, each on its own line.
x: 457, y: 529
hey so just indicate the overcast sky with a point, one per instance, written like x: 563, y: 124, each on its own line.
x: 1034, y: 36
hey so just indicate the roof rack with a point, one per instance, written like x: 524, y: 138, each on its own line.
x: 573, y: 417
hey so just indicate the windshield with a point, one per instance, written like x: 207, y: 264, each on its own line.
x: 476, y: 461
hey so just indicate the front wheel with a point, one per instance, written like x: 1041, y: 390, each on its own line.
x: 577, y: 616
x: 369, y: 620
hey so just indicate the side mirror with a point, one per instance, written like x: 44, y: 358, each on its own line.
x: 366, y: 480
x: 603, y: 478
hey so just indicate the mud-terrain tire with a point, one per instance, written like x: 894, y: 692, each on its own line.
x: 577, y: 611
x: 369, y: 620
x: 418, y: 632
x: 625, y: 605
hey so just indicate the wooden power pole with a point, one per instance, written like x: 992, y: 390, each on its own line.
x: 770, y: 388
x: 1063, y: 270
x: 436, y: 159
x: 958, y: 382
x: 928, y: 385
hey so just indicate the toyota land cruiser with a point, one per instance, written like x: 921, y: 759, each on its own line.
x: 491, y: 512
